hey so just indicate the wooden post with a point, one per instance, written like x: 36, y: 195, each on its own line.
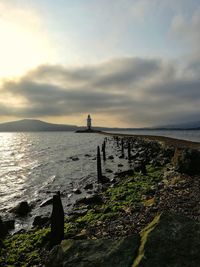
x: 129, y: 151
x: 117, y: 138
x: 122, y: 144
x: 104, y: 151
x: 143, y: 169
x: 99, y: 170
x: 57, y: 221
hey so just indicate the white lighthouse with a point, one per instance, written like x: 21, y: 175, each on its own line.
x: 89, y: 122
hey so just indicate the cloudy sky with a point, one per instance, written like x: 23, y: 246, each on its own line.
x: 129, y: 63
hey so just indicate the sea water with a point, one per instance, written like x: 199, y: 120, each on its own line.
x: 33, y: 166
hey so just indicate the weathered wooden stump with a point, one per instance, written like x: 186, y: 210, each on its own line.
x: 57, y: 221
x: 122, y: 148
x: 143, y: 169
x: 99, y: 170
x: 104, y: 151
x: 129, y: 151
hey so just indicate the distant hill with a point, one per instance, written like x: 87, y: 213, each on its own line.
x: 186, y: 125
x: 28, y: 125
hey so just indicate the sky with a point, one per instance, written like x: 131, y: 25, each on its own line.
x: 128, y: 63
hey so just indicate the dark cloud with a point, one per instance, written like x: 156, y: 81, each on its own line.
x: 146, y: 91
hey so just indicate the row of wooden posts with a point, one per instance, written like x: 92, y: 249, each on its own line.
x: 57, y: 216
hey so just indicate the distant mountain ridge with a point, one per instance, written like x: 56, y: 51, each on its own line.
x: 185, y: 125
x: 33, y: 125
x: 29, y: 125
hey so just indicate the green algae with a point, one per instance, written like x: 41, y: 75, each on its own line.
x: 24, y: 249
x: 128, y: 193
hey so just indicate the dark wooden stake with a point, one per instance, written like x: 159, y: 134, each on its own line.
x: 117, y: 138
x: 129, y: 151
x: 122, y: 144
x: 99, y: 170
x: 143, y: 169
x: 104, y: 151
x: 57, y: 221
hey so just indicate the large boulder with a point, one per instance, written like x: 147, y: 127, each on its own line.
x: 22, y: 209
x: 187, y: 161
x: 169, y: 241
x: 98, y: 253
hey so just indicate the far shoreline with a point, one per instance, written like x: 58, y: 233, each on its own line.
x: 179, y: 143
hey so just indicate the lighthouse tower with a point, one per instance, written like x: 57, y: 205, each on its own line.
x: 89, y: 122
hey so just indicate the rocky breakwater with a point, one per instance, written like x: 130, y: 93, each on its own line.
x: 146, y: 216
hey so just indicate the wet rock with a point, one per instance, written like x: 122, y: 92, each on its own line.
x: 108, y: 170
x: 90, y: 253
x: 10, y: 224
x: 46, y: 202
x: 171, y: 240
x: 41, y: 221
x: 120, y: 165
x: 22, y: 209
x: 137, y: 167
x: 188, y: 161
x: 74, y: 158
x: 104, y: 180
x: 77, y: 191
x: 95, y: 199
x: 124, y: 173
x: 78, y: 212
x: 3, y: 229
x: 88, y: 186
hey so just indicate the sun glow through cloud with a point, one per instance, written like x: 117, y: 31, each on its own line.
x: 24, y: 43
x: 129, y: 63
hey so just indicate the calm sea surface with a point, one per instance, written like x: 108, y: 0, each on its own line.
x: 33, y: 166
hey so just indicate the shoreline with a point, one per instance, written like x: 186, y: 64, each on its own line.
x: 125, y: 206
x: 179, y: 143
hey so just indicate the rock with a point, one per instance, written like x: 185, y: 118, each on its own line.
x: 91, y: 200
x: 10, y: 224
x: 137, y: 167
x: 46, y: 202
x: 79, y: 212
x: 55, y: 257
x: 169, y: 240
x: 120, y: 165
x: 77, y: 191
x: 108, y: 170
x: 104, y: 180
x: 74, y: 158
x: 111, y: 157
x: 3, y: 229
x: 187, y: 161
x: 88, y: 186
x: 22, y: 209
x: 41, y: 221
x: 88, y: 155
x: 90, y: 253
x: 124, y: 173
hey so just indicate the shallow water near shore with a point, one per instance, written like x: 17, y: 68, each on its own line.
x: 34, y: 166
